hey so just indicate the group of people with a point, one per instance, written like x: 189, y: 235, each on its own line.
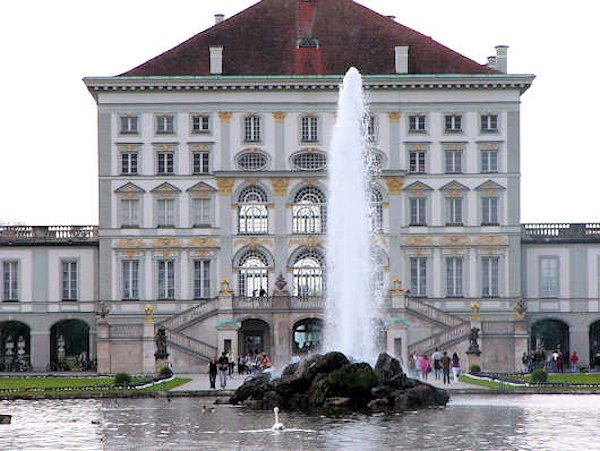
x: 420, y: 365
x: 552, y: 362
x: 251, y: 363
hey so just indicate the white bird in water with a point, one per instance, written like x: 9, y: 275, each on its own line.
x: 277, y: 426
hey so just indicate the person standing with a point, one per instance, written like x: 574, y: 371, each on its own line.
x: 455, y: 367
x: 418, y: 358
x: 436, y: 357
x: 574, y: 360
x: 445, y: 362
x: 223, y: 365
x: 425, y: 367
x: 212, y: 372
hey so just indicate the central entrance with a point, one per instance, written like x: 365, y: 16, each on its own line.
x: 254, y: 336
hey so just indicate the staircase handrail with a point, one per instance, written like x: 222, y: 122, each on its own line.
x: 202, y: 349
x: 440, y: 339
x: 434, y: 313
x: 178, y: 320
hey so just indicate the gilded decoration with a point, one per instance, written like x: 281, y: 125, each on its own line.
x: 394, y: 116
x: 491, y: 240
x: 225, y: 290
x: 225, y: 116
x: 252, y: 243
x: 280, y: 186
x: 397, y: 286
x: 395, y: 185
x: 455, y: 240
x: 279, y: 116
x: 203, y: 242
x: 149, y: 312
x: 167, y: 242
x: 130, y: 253
x: 310, y: 242
x: 129, y: 243
x: 418, y: 241
x: 252, y: 181
x: 225, y: 186
x: 475, y: 309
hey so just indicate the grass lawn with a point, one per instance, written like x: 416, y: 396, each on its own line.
x: 56, y: 385
x: 574, y: 378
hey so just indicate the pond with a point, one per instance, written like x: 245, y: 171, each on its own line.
x: 468, y: 422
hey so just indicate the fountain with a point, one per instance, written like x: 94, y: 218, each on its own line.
x: 351, y: 306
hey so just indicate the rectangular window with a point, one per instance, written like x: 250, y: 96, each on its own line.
x: 453, y: 123
x: 417, y: 211
x: 371, y: 129
x: 165, y: 124
x: 489, y: 276
x: 201, y: 279
x: 418, y: 276
x: 69, y: 281
x: 489, y: 123
x: 489, y: 161
x: 200, y: 124
x: 489, y: 211
x: 417, y: 161
x: 130, y: 213
x: 252, y: 129
x: 200, y: 162
x: 165, y: 162
x: 128, y: 125
x: 129, y: 163
x: 202, y: 212
x: 310, y: 131
x: 165, y: 213
x: 10, y: 281
x: 454, y: 211
x: 131, y: 280
x: 549, y: 277
x: 453, y: 161
x: 416, y: 124
x: 166, y: 279
x: 454, y: 276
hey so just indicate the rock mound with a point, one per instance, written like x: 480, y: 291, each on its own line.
x: 332, y: 382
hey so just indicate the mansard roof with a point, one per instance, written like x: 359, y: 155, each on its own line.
x: 308, y: 37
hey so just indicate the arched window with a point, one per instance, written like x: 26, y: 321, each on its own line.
x: 375, y: 210
x: 253, y: 214
x: 254, y: 274
x: 308, y: 211
x: 308, y: 274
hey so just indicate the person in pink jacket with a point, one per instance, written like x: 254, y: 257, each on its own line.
x: 425, y: 366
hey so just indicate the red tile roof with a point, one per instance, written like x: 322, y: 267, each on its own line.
x: 263, y: 40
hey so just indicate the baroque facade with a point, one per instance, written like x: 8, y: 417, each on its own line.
x: 213, y: 196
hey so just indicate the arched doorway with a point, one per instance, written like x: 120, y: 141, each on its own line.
x: 550, y: 335
x: 254, y: 336
x: 70, y: 346
x: 307, y: 336
x: 15, y: 346
x: 595, y: 343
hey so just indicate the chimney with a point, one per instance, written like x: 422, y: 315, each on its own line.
x: 216, y: 59
x: 501, y: 58
x: 491, y: 62
x: 401, y: 59
x: 219, y: 18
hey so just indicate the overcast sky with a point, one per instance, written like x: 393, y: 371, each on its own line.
x: 48, y: 164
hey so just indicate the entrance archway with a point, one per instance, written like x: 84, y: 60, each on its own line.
x: 70, y: 346
x: 550, y: 334
x: 15, y: 346
x: 254, y: 336
x: 307, y: 336
x: 595, y: 343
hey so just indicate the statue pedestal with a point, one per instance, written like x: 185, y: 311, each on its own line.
x: 159, y: 363
x: 473, y: 359
x: 103, y: 347
x: 148, y: 363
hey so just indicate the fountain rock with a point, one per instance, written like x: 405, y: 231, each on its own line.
x: 331, y: 382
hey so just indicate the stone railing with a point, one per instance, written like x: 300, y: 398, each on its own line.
x: 197, y: 347
x: 279, y: 302
x: 307, y: 302
x: 252, y: 303
x: 126, y: 331
x: 180, y: 320
x: 560, y: 232
x: 424, y: 309
x: 52, y: 234
x: 441, y: 340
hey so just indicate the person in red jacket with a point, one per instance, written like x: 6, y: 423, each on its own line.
x: 574, y: 360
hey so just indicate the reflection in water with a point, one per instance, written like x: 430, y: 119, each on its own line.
x: 469, y: 422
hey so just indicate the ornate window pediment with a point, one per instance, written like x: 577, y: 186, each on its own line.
x: 129, y: 188
x: 418, y: 186
x: 201, y: 188
x: 454, y: 186
x: 166, y: 188
x: 490, y: 185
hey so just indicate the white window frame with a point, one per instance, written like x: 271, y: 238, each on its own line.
x: 201, y: 279
x: 166, y: 212
x: 165, y: 124
x: 454, y: 211
x: 418, y: 276
x: 453, y: 123
x: 453, y: 161
x: 489, y: 161
x: 165, y: 162
x: 417, y: 123
x: 309, y: 129
x: 69, y: 280
x: 203, y: 122
x: 454, y: 277
x: 489, y: 210
x: 202, y: 214
x: 130, y: 162
x: 487, y: 122
x: 130, y: 280
x: 549, y: 283
x: 165, y: 279
x: 417, y: 211
x: 10, y: 281
x: 200, y: 162
x: 417, y: 160
x: 129, y: 124
x: 490, y: 285
x: 252, y: 128
x: 129, y: 216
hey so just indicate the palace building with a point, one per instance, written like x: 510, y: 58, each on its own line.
x: 213, y: 204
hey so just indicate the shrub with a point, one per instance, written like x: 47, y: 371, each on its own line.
x: 122, y: 379
x: 352, y: 381
x: 539, y: 375
x: 474, y: 369
x: 166, y: 371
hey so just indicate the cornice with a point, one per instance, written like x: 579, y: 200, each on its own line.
x: 96, y: 85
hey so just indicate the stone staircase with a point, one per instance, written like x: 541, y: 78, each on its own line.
x: 454, y: 328
x: 175, y: 324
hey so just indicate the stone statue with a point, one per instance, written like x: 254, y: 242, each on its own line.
x: 161, y: 344
x: 519, y: 309
x: 103, y: 309
x: 473, y: 345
